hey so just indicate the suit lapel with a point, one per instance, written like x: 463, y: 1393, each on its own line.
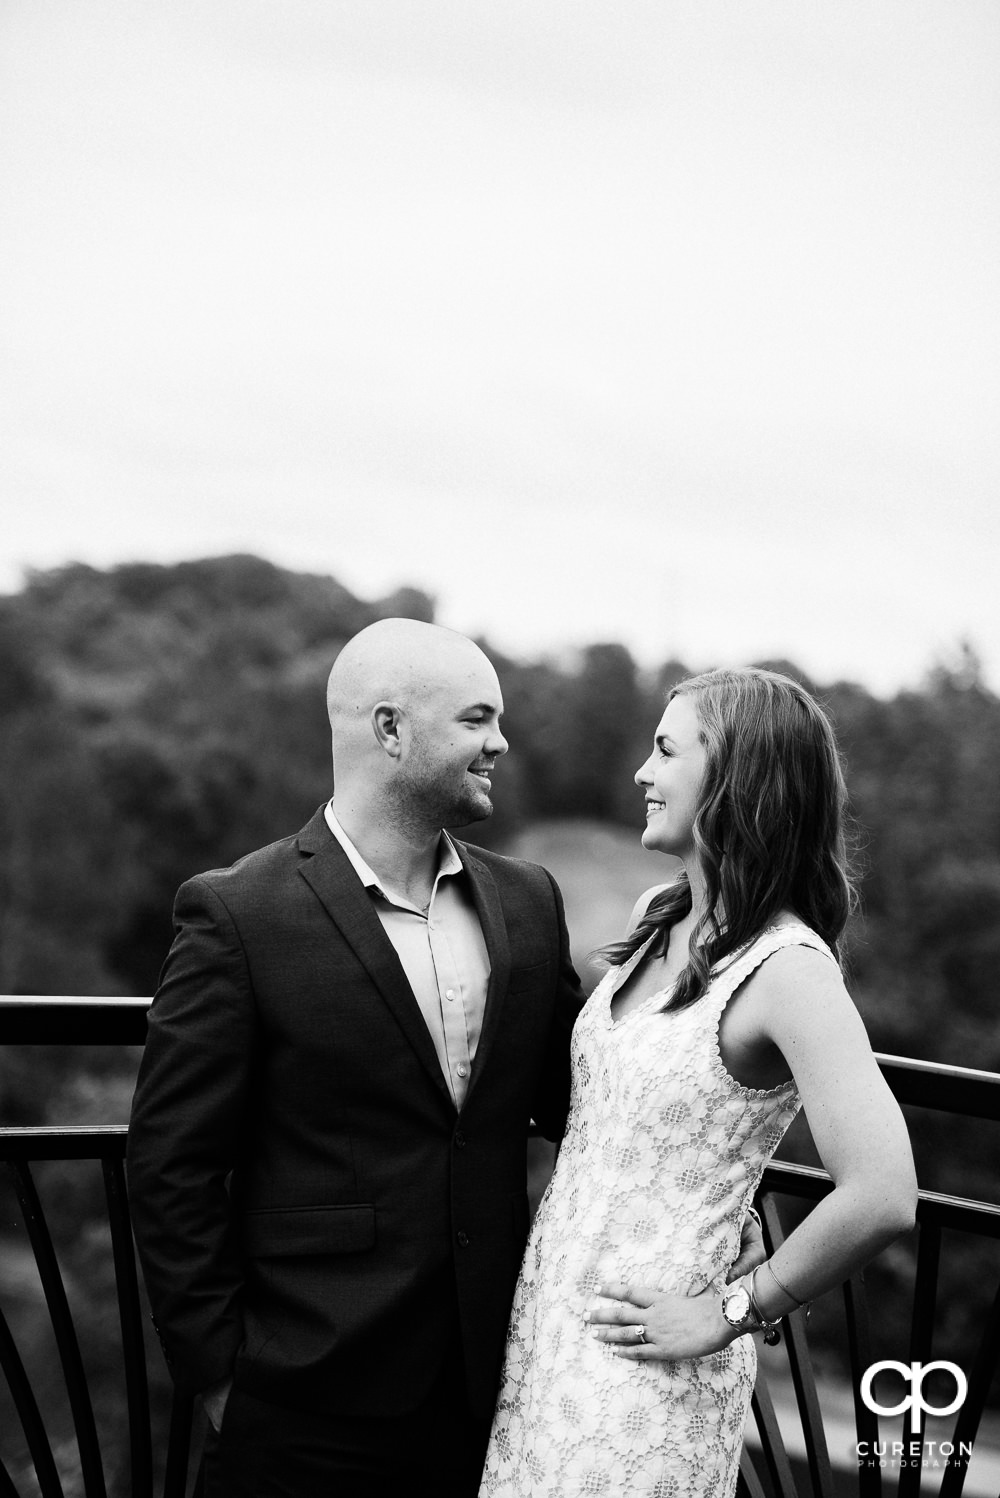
x: 327, y: 870
x: 491, y: 918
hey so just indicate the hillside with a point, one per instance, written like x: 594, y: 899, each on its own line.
x: 601, y: 871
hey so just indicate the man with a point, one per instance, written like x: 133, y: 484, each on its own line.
x: 327, y: 1149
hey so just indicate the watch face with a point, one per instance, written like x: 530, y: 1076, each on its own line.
x: 736, y: 1306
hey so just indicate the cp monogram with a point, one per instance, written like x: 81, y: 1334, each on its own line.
x: 914, y: 1374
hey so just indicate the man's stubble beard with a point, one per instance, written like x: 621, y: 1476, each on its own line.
x: 427, y: 804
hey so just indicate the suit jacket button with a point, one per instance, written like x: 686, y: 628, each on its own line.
x: 460, y: 1140
x: 463, y: 1240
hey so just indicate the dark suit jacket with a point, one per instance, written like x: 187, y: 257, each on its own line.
x: 311, y: 1211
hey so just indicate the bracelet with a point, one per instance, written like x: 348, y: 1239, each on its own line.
x: 784, y: 1288
x: 752, y: 1212
x: 769, y: 1328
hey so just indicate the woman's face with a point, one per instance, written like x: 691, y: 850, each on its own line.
x: 671, y: 778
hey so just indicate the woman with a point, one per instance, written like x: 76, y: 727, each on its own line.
x: 629, y: 1369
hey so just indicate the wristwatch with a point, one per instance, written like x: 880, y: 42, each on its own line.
x: 740, y: 1309
x: 737, y: 1306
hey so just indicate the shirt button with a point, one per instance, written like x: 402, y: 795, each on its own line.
x: 463, y: 1240
x: 463, y: 1071
x: 460, y: 1140
x: 449, y: 993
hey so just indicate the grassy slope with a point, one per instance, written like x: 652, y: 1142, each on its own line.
x: 601, y: 871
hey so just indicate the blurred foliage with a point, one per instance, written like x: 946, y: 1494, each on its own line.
x: 162, y: 720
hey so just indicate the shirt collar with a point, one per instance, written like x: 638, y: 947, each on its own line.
x: 449, y: 861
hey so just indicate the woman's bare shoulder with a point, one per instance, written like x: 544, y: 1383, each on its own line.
x: 643, y: 903
x: 797, y: 986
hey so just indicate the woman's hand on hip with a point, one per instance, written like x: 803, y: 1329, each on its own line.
x: 649, y: 1325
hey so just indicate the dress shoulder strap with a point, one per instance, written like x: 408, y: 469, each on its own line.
x: 734, y: 971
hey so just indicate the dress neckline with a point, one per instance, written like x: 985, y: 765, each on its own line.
x: 623, y: 974
x: 716, y: 971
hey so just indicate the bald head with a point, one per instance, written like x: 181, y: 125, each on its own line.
x: 412, y: 705
x: 400, y: 660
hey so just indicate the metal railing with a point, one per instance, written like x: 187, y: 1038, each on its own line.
x: 935, y: 1213
x: 19, y: 1150
x: 951, y: 1089
x: 766, y: 1471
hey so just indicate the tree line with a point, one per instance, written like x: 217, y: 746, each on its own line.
x: 163, y: 719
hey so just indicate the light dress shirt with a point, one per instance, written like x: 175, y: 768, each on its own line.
x: 443, y: 954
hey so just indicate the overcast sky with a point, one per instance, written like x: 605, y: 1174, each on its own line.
x: 670, y: 323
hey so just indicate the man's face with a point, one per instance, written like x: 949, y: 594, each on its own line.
x: 455, y: 740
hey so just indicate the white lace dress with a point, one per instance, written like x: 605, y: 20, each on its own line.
x: 662, y: 1154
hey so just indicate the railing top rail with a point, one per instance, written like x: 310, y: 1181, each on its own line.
x: 71, y: 1019
x: 951, y: 1089
x: 903, y: 1064
x: 67, y: 1019
x: 85, y: 1142
x: 107, y: 1141
x: 961, y: 1212
x: 49, y: 1001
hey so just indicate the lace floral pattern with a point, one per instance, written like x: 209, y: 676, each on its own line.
x: 662, y: 1154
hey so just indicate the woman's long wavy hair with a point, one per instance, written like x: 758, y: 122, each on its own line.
x: 770, y: 829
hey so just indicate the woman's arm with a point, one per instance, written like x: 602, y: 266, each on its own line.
x: 796, y: 1002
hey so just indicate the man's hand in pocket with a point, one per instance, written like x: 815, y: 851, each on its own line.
x: 214, y: 1402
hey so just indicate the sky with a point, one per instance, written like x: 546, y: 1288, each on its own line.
x: 674, y: 324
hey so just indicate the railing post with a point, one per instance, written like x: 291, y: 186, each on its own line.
x: 859, y: 1345
x: 91, y: 1465
x: 130, y: 1319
